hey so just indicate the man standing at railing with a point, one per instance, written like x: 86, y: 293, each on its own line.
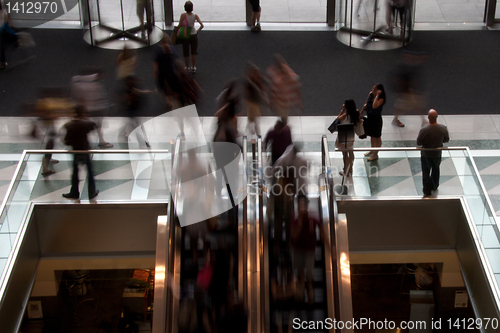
x: 431, y: 136
x: 76, y: 136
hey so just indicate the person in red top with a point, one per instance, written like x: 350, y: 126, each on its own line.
x: 284, y: 88
x: 304, y: 246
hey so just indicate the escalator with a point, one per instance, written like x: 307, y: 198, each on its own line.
x: 195, y: 257
x: 253, y: 254
x: 331, y: 280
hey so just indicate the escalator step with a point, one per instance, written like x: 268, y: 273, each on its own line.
x: 318, y: 275
x: 319, y: 295
x: 318, y: 254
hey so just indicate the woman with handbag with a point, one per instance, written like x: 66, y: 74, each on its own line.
x: 348, y: 115
x: 189, y: 35
x: 373, y: 122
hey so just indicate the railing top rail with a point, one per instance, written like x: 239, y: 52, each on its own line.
x: 160, y: 151
x: 405, y: 149
x: 97, y: 151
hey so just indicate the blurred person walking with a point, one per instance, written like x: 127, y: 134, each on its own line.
x: 304, y: 247
x: 7, y: 35
x: 254, y: 97
x: 227, y: 131
x: 290, y: 179
x: 77, y: 131
x: 166, y: 77
x: 54, y: 102
x: 229, y: 92
x: 132, y: 101
x: 130, y: 95
x: 284, y: 88
x: 190, y: 89
x: 409, y: 86
x: 89, y: 93
x: 278, y: 139
x: 373, y: 122
x: 126, y: 63
x: 431, y: 136
x: 188, y: 20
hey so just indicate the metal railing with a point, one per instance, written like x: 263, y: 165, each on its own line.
x: 476, y: 201
x: 474, y: 193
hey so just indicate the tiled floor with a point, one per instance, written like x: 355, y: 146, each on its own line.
x: 142, y: 176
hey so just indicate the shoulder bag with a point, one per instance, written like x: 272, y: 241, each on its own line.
x: 184, y: 32
x: 333, y: 127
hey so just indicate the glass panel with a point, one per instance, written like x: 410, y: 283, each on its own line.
x: 293, y: 11
x: 215, y: 10
x: 15, y: 214
x: 4, y: 224
x: 378, y: 15
x: 494, y: 258
x: 3, y: 261
x: 110, y: 13
x: 489, y: 236
x: 367, y: 21
x: 159, y: 11
x: 146, y: 176
x: 124, y: 20
x: 477, y: 207
x: 4, y: 245
x: 272, y: 11
x: 449, y: 11
x: 124, y: 177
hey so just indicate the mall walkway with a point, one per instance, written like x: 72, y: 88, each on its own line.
x: 460, y: 74
x: 394, y: 174
x: 461, y: 77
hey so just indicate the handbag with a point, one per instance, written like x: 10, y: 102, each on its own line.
x: 366, y: 127
x: 173, y: 36
x: 184, y: 31
x: 359, y: 129
x: 333, y: 127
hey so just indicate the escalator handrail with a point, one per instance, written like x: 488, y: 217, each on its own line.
x: 339, y: 245
x: 174, y: 246
x: 165, y: 307
x: 242, y: 230
x: 263, y: 242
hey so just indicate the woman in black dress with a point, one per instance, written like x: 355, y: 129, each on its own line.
x: 373, y: 122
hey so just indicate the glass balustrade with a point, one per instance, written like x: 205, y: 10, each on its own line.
x: 144, y: 175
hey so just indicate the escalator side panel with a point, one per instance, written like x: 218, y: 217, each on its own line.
x: 345, y: 297
x: 161, y: 266
x: 324, y: 208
